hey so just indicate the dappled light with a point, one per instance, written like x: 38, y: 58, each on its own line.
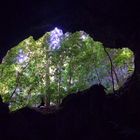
x: 58, y: 64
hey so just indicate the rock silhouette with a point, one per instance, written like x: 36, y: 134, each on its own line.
x: 90, y: 114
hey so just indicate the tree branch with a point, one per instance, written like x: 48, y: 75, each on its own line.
x: 111, y: 65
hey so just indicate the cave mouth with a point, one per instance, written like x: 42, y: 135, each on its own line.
x: 58, y: 64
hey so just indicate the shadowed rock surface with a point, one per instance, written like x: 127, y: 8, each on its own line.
x: 86, y: 115
x: 113, y: 22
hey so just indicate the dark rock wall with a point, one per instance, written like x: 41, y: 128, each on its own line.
x: 85, y: 115
x: 113, y: 22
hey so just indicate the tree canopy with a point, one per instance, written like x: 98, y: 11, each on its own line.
x: 58, y: 64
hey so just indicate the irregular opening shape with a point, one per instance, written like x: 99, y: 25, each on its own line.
x: 60, y: 63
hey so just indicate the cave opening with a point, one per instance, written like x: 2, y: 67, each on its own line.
x: 60, y: 63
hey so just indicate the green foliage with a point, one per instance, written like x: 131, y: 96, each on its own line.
x: 77, y: 64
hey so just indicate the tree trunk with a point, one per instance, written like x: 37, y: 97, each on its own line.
x: 47, y: 79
